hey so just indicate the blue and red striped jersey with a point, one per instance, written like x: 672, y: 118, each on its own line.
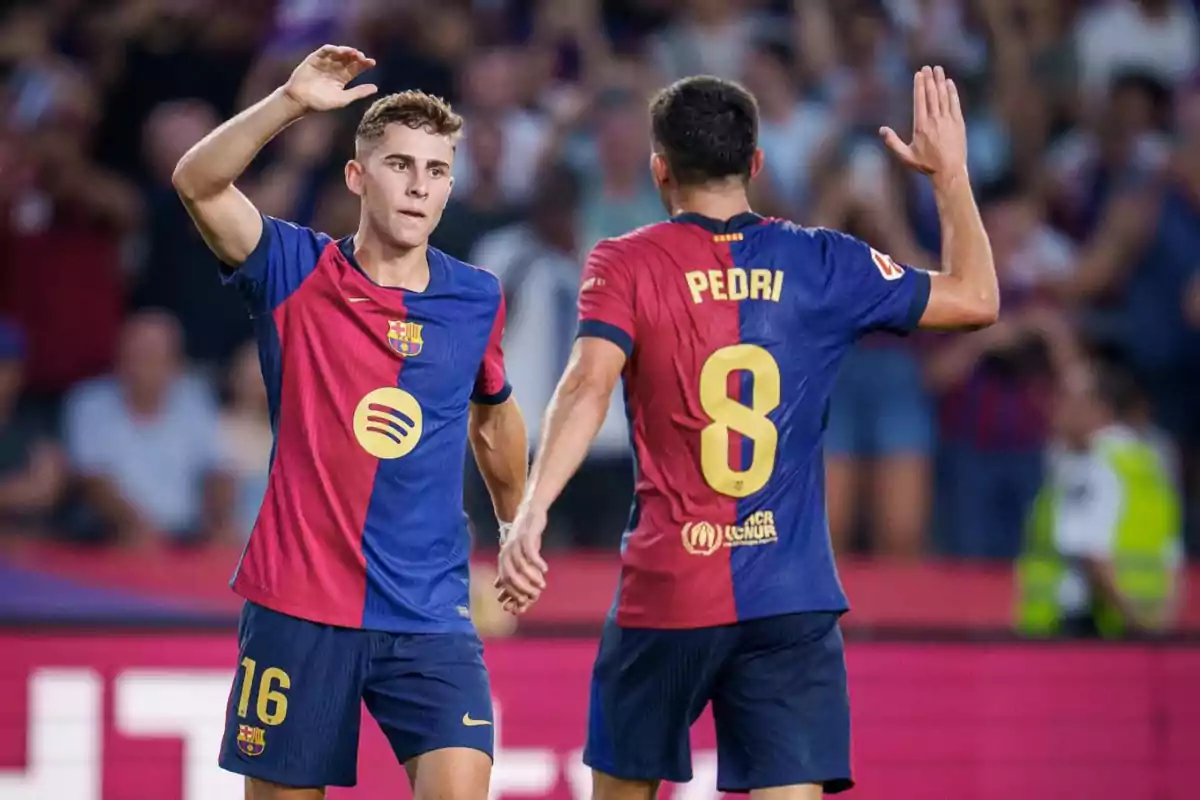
x: 734, y: 331
x: 362, y: 525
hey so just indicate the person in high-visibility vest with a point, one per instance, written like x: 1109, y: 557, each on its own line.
x: 1103, y: 545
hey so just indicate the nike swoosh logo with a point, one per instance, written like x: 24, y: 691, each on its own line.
x: 358, y: 299
x: 474, y: 723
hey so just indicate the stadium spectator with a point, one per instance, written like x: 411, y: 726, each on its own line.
x: 538, y: 264
x: 995, y: 385
x: 482, y: 206
x: 61, y: 267
x: 1159, y: 36
x: 246, y: 436
x: 177, y: 271
x: 1103, y: 547
x: 618, y: 195
x: 145, y: 444
x: 32, y: 469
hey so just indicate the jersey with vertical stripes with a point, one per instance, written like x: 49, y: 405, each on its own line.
x: 733, y: 332
x: 362, y: 525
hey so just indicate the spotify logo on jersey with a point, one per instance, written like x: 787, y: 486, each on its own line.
x: 387, y: 423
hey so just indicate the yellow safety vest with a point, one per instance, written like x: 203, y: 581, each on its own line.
x: 1148, y: 533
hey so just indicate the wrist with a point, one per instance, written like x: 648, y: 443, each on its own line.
x: 952, y: 181
x: 292, y: 107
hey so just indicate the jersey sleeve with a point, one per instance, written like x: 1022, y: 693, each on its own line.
x: 606, y: 309
x: 286, y: 254
x: 867, y: 290
x: 491, y: 383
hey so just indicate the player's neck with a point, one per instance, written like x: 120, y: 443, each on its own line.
x: 391, y: 266
x: 712, y: 203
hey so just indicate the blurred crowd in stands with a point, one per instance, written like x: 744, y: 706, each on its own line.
x: 131, y: 405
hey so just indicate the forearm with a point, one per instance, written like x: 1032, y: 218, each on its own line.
x: 966, y: 251
x: 219, y: 159
x: 572, y: 421
x: 499, y: 442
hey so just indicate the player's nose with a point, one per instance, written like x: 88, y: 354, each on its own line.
x: 418, y: 189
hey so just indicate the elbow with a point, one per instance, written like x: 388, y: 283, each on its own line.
x: 185, y: 180
x: 986, y: 310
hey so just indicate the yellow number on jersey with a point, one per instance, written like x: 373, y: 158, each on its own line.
x: 728, y: 415
x: 272, y: 703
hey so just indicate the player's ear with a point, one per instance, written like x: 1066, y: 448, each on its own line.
x: 354, y: 176
x: 660, y: 170
x: 756, y: 162
x: 449, y: 191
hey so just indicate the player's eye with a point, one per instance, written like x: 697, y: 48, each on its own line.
x: 437, y: 172
x: 400, y: 166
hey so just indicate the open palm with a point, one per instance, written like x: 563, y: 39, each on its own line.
x: 939, y: 140
x: 319, y: 83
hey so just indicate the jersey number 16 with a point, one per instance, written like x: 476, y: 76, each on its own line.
x: 729, y: 415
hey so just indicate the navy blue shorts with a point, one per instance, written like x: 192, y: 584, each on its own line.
x: 778, y: 691
x: 296, y: 706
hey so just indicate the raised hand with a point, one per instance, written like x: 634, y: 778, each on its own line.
x: 939, y: 140
x: 319, y: 83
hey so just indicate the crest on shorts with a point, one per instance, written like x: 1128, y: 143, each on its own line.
x: 405, y: 337
x: 251, y: 741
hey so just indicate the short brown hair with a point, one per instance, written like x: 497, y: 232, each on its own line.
x: 416, y: 109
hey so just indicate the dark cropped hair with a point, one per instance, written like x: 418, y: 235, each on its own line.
x: 706, y: 128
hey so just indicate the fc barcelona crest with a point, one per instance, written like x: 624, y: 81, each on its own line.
x: 251, y: 740
x: 405, y: 338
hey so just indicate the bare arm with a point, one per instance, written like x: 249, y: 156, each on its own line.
x: 205, y: 176
x: 573, y: 419
x: 498, y: 440
x: 965, y: 294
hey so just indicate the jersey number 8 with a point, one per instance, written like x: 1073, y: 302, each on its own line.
x: 729, y: 415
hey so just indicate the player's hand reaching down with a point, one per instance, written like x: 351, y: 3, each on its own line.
x: 939, y: 140
x: 319, y: 82
x: 522, y: 570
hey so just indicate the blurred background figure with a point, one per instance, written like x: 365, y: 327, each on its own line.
x: 1041, y: 475
x: 32, y: 468
x: 247, y: 436
x: 145, y: 443
x: 1103, y: 550
x: 1084, y: 127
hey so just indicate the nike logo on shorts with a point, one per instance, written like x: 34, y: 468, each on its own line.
x: 474, y: 723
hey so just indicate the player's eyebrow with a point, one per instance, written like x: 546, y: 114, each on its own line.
x: 405, y: 158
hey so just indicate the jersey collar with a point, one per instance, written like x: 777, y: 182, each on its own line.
x: 732, y: 225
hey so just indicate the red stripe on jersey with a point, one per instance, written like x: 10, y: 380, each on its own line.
x: 305, y: 557
x: 676, y: 571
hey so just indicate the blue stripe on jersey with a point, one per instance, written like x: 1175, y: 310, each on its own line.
x: 795, y: 572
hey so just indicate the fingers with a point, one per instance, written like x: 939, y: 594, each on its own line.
x: 932, y: 110
x: 955, y: 103
x: 942, y: 93
x: 897, y: 146
x: 359, y: 92
x: 531, y: 552
x: 346, y: 56
x: 920, y: 103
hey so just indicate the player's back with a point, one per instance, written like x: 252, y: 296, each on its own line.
x: 734, y: 331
